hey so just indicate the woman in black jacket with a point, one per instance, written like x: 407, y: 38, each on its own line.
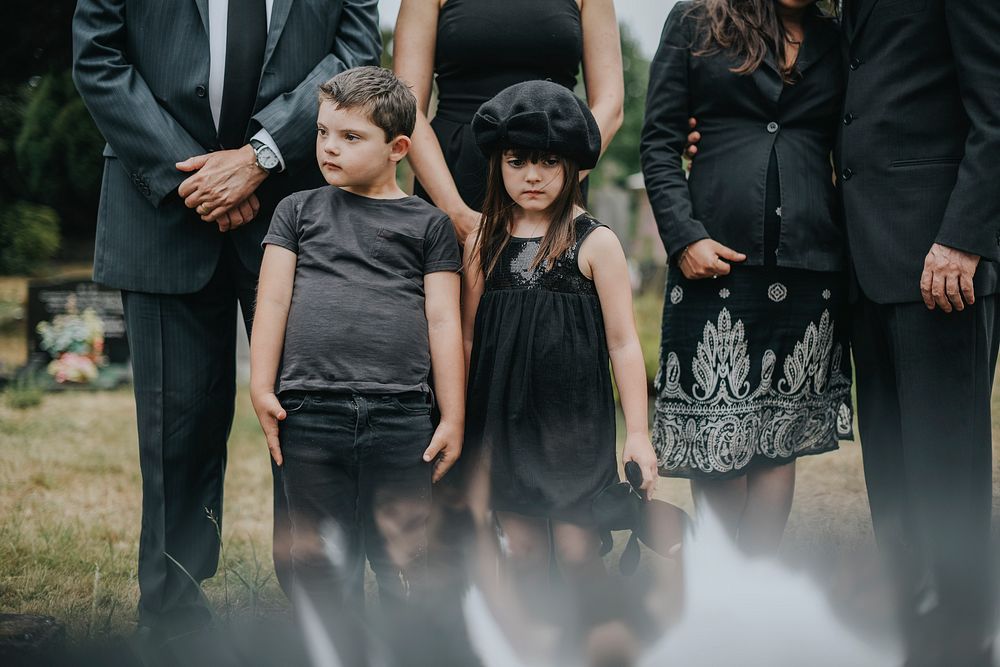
x: 754, y: 367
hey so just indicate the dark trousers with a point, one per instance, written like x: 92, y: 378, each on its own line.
x: 183, y: 351
x: 924, y: 380
x: 357, y: 486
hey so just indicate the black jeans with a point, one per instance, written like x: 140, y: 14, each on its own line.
x: 357, y: 485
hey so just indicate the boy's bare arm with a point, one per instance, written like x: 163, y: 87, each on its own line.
x: 274, y: 296
x: 444, y: 330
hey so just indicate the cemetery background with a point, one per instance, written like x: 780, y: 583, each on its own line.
x: 69, y: 479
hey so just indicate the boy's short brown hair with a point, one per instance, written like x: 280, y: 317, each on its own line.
x: 388, y: 101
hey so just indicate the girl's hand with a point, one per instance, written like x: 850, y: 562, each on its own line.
x: 639, y: 449
x: 269, y: 413
x: 707, y: 258
x: 445, y: 447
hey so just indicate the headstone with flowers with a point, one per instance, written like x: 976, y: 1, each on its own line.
x: 76, y: 335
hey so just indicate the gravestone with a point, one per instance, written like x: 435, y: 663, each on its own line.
x: 61, y: 304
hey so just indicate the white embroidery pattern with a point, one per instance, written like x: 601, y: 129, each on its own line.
x: 676, y: 294
x: 724, y: 293
x: 723, y: 423
x: 777, y: 292
x: 827, y: 294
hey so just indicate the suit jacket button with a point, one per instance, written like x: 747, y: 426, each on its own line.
x: 847, y: 174
x: 849, y: 118
x: 856, y: 63
x: 772, y: 127
x: 200, y: 90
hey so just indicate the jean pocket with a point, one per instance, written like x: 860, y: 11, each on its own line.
x: 413, y: 405
x: 293, y: 401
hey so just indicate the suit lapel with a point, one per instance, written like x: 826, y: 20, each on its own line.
x: 279, y: 15
x: 864, y: 12
x: 203, y: 11
x: 768, y: 78
x: 819, y: 38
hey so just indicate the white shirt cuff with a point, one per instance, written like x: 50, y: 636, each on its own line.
x: 265, y: 138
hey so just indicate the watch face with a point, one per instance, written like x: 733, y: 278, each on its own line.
x: 266, y: 157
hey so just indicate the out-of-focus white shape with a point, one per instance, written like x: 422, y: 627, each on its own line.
x: 487, y: 638
x: 755, y: 613
x: 319, y: 644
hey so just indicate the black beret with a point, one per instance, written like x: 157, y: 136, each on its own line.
x: 541, y: 115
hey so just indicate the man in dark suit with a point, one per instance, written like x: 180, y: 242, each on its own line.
x: 918, y: 164
x: 209, y: 111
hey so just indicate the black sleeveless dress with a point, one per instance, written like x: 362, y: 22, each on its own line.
x: 541, y: 412
x: 484, y: 46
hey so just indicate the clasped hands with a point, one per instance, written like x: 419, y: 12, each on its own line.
x: 222, y: 185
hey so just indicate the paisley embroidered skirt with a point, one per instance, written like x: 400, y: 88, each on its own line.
x: 754, y: 369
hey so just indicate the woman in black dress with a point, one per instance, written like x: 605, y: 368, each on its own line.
x: 754, y: 368
x: 476, y: 48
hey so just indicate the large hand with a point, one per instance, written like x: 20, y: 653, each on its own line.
x: 947, y: 278
x: 445, y: 448
x: 221, y: 181
x: 238, y: 215
x: 465, y: 220
x: 708, y: 258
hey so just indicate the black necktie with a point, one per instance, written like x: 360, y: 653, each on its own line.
x: 246, y: 37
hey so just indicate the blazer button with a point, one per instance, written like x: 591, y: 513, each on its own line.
x: 772, y: 127
x: 847, y: 174
x: 849, y: 118
x: 856, y: 63
x: 200, y: 90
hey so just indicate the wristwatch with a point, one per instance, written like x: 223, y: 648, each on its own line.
x: 266, y: 158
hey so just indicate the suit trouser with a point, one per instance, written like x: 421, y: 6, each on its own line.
x: 924, y: 380
x: 183, y: 349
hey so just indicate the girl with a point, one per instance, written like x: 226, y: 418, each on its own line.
x: 547, y: 301
x: 754, y: 361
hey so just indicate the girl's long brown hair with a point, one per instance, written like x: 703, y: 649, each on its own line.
x: 498, y: 212
x: 744, y: 29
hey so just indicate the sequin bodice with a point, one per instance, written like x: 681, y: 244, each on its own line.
x: 514, y: 271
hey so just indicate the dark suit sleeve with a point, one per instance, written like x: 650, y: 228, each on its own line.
x: 146, y: 139
x: 664, y: 136
x: 972, y: 219
x: 290, y: 119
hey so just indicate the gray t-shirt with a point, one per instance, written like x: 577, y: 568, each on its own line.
x: 356, y: 321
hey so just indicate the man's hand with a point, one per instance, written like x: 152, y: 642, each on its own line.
x: 445, y: 447
x: 947, y: 278
x: 222, y: 181
x: 694, y: 136
x: 269, y: 413
x: 239, y: 215
x: 707, y: 259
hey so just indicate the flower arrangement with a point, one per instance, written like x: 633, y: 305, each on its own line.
x: 76, y: 344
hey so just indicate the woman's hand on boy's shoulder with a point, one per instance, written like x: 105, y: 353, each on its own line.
x: 445, y: 447
x: 269, y: 413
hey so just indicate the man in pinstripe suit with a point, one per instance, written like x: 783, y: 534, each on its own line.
x: 208, y: 108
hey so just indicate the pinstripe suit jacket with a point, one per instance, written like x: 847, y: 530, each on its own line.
x: 142, y: 68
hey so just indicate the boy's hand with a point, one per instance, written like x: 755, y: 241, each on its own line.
x: 639, y: 449
x: 445, y: 447
x: 269, y: 413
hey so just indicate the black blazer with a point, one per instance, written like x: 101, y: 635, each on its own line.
x: 919, y: 151
x: 741, y: 118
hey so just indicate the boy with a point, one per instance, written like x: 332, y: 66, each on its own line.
x: 358, y: 300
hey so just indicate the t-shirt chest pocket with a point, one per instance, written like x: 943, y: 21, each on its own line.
x: 399, y: 253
